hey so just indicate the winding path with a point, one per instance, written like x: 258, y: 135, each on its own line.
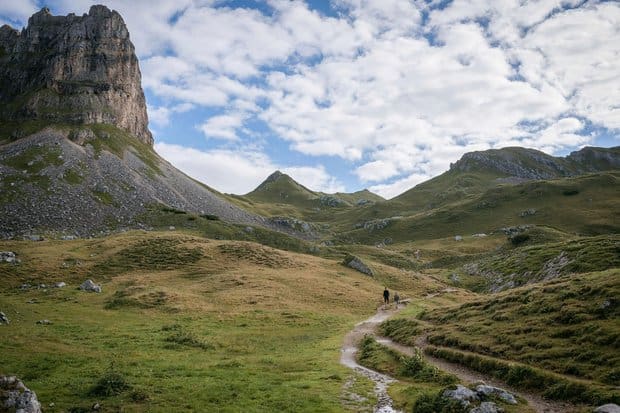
x: 347, y: 358
x: 382, y: 381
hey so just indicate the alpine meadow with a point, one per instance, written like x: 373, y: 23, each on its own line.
x: 370, y: 219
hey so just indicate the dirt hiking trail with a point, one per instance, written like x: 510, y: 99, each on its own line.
x: 466, y: 375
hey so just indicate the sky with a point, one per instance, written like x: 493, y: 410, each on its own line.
x: 344, y: 95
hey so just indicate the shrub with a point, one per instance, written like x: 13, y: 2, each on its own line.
x: 110, y: 384
x: 185, y: 338
x: 519, y: 239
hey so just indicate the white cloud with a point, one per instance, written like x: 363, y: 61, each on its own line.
x: 315, y: 178
x: 215, y: 168
x: 18, y: 11
x: 223, y: 126
x: 240, y: 171
x: 397, y: 96
x: 399, y: 186
x: 160, y: 116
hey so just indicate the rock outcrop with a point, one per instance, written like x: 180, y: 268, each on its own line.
x: 357, y: 264
x: 72, y: 70
x: 89, y: 285
x: 526, y: 164
x: 75, y: 150
x: 8, y: 256
x: 462, y: 394
x: 485, y: 390
x: 16, y: 397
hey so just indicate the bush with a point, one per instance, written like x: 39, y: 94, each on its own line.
x: 519, y: 239
x: 111, y: 383
x: 184, y: 338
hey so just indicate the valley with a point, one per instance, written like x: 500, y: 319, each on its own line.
x: 128, y: 286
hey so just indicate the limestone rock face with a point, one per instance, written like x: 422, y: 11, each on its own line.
x: 72, y: 69
x: 16, y: 397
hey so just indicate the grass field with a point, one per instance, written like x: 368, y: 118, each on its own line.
x: 183, y: 323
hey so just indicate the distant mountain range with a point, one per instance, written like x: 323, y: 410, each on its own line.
x: 76, y: 159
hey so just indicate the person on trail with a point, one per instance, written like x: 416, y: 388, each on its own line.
x: 386, y: 296
x: 396, y: 298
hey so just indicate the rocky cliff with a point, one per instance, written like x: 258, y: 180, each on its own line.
x: 72, y: 70
x: 532, y: 164
x: 76, y: 156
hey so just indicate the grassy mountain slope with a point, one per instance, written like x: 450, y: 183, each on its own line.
x: 559, y: 338
x: 281, y: 188
x: 588, y: 204
x: 280, y: 195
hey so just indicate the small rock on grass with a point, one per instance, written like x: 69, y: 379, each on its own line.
x: 485, y: 390
x: 89, y: 285
x: 8, y: 256
x: 44, y: 322
x: 3, y: 318
x: 462, y: 394
x: 608, y: 408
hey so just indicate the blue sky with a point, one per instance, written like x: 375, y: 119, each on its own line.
x: 352, y: 94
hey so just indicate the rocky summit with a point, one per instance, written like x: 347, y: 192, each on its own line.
x: 529, y: 164
x: 72, y: 69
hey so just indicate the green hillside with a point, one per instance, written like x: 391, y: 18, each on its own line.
x: 587, y: 205
x: 280, y: 188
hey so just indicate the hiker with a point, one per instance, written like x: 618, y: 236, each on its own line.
x: 386, y: 296
x: 396, y: 298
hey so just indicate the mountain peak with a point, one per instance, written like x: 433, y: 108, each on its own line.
x: 274, y: 177
x: 80, y: 70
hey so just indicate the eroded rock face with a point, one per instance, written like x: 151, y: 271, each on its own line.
x: 72, y: 69
x: 16, y: 397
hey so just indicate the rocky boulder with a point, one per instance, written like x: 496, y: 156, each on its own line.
x: 89, y: 285
x: 16, y: 397
x: 608, y: 408
x: 357, y: 264
x: 3, y: 318
x: 484, y: 390
x: 8, y: 256
x: 462, y: 394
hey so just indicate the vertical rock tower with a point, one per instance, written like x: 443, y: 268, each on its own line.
x: 72, y: 70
